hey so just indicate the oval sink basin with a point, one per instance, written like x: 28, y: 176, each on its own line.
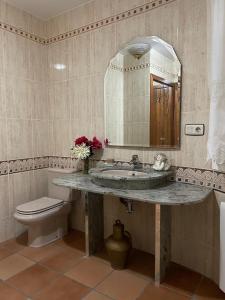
x: 123, y: 173
x: 127, y: 179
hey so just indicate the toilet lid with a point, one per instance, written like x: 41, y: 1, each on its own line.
x: 38, y: 206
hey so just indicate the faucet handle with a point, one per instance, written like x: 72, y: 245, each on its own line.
x: 136, y: 162
x: 135, y: 158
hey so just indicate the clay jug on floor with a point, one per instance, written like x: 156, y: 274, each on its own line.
x: 118, y: 246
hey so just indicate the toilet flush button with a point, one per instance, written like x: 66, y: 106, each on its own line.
x: 194, y: 129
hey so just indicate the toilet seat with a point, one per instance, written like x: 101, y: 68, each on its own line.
x: 39, y: 206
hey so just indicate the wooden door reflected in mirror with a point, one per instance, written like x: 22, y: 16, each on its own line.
x: 164, y: 113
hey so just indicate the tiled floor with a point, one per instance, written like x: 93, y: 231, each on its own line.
x: 61, y: 271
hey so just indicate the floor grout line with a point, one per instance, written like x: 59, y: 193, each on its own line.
x: 15, y: 288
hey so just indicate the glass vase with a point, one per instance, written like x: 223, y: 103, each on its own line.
x: 86, y: 166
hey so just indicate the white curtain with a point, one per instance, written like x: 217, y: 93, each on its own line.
x: 216, y: 139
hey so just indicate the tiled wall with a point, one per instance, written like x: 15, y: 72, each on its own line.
x: 23, y: 114
x: 43, y: 109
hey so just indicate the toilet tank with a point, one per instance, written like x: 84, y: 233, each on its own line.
x: 55, y: 191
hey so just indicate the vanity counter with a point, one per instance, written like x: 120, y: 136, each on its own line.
x: 173, y: 193
x: 162, y: 197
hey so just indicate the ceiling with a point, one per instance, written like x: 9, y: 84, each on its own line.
x: 46, y: 9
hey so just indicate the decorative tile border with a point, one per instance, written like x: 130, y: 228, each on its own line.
x: 23, y: 165
x: 4, y: 168
x: 68, y: 162
x: 89, y: 27
x: 141, y: 67
x: 40, y: 162
x: 110, y: 20
x: 196, y: 176
x: 23, y: 33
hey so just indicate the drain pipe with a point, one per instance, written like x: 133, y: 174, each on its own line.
x: 128, y: 204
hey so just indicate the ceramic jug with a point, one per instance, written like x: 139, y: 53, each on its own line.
x: 118, y: 246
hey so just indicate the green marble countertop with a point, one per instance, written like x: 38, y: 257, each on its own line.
x: 173, y: 193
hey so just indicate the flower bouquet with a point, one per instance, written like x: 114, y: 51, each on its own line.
x: 84, y: 148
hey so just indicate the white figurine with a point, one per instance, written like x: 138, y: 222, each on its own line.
x: 161, y: 162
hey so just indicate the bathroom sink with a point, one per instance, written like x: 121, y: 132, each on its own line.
x: 128, y: 179
x: 123, y: 173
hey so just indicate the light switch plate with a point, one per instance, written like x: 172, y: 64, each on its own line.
x: 195, y: 129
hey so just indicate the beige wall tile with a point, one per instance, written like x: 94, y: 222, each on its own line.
x: 19, y: 139
x: 62, y: 137
x: 16, y: 47
x: 18, y: 100
x: 103, y: 9
x: 40, y: 100
x: 81, y: 15
x: 103, y: 48
x: 39, y: 183
x: 120, y: 6
x: 80, y: 55
x: 3, y: 139
x: 1, y: 50
x: 58, y: 55
x: 4, y: 198
x: 20, y: 187
x: 59, y: 100
x: 129, y: 29
x: 75, y: 18
x: 168, y: 29
x: 40, y: 136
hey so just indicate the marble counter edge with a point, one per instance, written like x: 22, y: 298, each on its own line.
x: 173, y: 193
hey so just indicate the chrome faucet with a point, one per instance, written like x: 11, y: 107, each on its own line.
x: 135, y: 162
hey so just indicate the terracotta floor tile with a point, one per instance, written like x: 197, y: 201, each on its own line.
x: 122, y: 285
x: 4, y: 253
x: 8, y: 293
x: 161, y: 293
x: 63, y: 288
x: 96, y: 296
x: 208, y: 290
x: 75, y: 240
x: 89, y: 272
x: 181, y: 279
x: 15, y: 245
x: 12, y: 265
x: 64, y: 260
x: 32, y: 280
x: 40, y: 253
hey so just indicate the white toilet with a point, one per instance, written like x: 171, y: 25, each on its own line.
x: 47, y: 217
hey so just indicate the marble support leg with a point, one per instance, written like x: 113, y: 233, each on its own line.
x: 94, y: 222
x: 162, y: 240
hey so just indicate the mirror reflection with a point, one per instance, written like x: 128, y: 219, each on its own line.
x: 142, y: 95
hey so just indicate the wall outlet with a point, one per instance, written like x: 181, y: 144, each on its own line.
x: 195, y: 129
